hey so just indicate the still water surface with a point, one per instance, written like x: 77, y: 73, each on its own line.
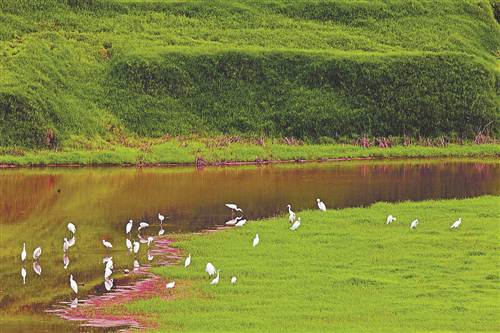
x: 36, y: 205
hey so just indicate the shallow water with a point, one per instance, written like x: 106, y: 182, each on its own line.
x: 36, y: 205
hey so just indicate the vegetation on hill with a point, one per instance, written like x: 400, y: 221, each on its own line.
x: 306, y: 69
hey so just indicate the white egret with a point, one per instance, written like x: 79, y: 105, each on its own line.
x: 150, y: 240
x: 150, y: 256
x: 241, y: 223
x: 128, y: 227
x: 321, y: 205
x: 23, y: 274
x: 234, y: 207
x: 128, y: 243
x: 390, y: 219
x: 73, y: 284
x: 295, y: 225
x: 414, y: 224
x: 142, y: 225
x: 108, y: 284
x: 161, y: 218
x: 23, y: 252
x: 66, y: 261
x: 215, y: 281
x: 256, y: 240
x: 37, y: 268
x: 65, y: 245
x: 107, y: 272
x: 74, y: 303
x: 106, y: 259
x: 37, y: 253
x: 210, y: 269
x: 137, y: 245
x: 234, y: 221
x: 71, y: 228
x: 107, y: 244
x: 233, y: 280
x: 456, y: 224
x: 71, y: 241
x: 109, y: 263
x: 291, y: 214
x: 187, y: 262
x: 170, y: 285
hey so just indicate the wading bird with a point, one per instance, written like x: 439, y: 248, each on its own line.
x: 215, y: 281
x: 234, y: 207
x: 321, y: 205
x: 37, y: 268
x: 108, y: 284
x: 23, y: 252
x: 456, y: 224
x: 128, y: 244
x: 210, y: 269
x: 128, y: 227
x: 187, y: 262
x: 71, y: 228
x: 37, y: 253
x: 390, y: 219
x: 256, y: 240
x: 66, y: 261
x: 233, y: 221
x: 142, y: 225
x: 233, y: 280
x: 23, y: 274
x: 73, y: 284
x: 107, y: 244
x: 170, y: 285
x: 65, y: 245
x: 137, y: 245
x: 414, y: 224
x: 150, y: 240
x: 295, y: 225
x: 241, y: 223
x: 161, y: 218
x: 107, y: 272
x: 71, y: 241
x: 291, y: 214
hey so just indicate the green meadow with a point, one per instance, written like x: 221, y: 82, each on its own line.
x: 342, y: 271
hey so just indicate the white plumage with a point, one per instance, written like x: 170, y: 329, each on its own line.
x: 187, y: 262
x: 234, y: 207
x: 73, y: 284
x: 71, y: 228
x: 234, y: 221
x: 291, y: 214
x: 37, y: 268
x: 108, y: 284
x: 233, y: 280
x: 390, y: 219
x: 170, y: 285
x: 241, y: 223
x: 295, y: 225
x: 128, y: 227
x: 414, y: 224
x: 210, y: 269
x: 107, y: 244
x: 215, y: 281
x: 37, y: 253
x: 456, y: 224
x: 128, y: 244
x: 137, y: 245
x: 143, y: 225
x: 23, y: 274
x: 321, y: 205
x: 23, y: 252
x: 256, y: 240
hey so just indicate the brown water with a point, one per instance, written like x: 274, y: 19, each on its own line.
x: 36, y: 204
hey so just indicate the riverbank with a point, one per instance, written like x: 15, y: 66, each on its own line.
x: 178, y: 152
x: 342, y: 270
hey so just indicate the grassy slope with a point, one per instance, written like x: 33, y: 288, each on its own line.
x: 112, y: 69
x: 186, y: 152
x: 344, y: 270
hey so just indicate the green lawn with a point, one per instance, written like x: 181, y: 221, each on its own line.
x: 186, y: 152
x: 343, y: 271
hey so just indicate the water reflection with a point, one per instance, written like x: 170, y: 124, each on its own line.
x: 37, y: 204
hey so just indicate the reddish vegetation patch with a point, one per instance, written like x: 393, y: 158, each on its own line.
x: 97, y: 310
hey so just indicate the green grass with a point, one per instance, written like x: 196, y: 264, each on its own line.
x: 180, y: 151
x: 343, y: 271
x: 111, y: 69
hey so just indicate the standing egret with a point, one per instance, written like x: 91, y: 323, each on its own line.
x: 233, y: 221
x: 142, y: 225
x: 107, y: 272
x: 187, y: 262
x: 23, y: 252
x: 37, y: 253
x: 234, y: 207
x: 37, y: 268
x: 71, y: 228
x: 414, y: 224
x: 74, y: 303
x: 210, y: 269
x: 128, y: 244
x: 256, y: 240
x: 150, y: 240
x: 108, y: 284
x: 390, y: 219
x: 170, y: 285
x: 66, y: 261
x: 233, y: 280
x: 73, y: 284
x: 291, y: 214
x: 107, y: 244
x: 128, y: 227
x: 295, y: 225
x: 108, y: 261
x: 161, y: 218
x: 456, y: 224
x: 241, y: 223
x: 137, y: 245
x: 321, y: 205
x: 23, y: 274
x: 215, y: 281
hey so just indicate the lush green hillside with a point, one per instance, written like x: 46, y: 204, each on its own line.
x: 309, y: 69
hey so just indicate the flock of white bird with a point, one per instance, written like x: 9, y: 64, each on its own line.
x: 134, y: 246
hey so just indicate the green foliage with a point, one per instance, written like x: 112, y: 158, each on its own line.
x: 307, y: 69
x: 342, y: 270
